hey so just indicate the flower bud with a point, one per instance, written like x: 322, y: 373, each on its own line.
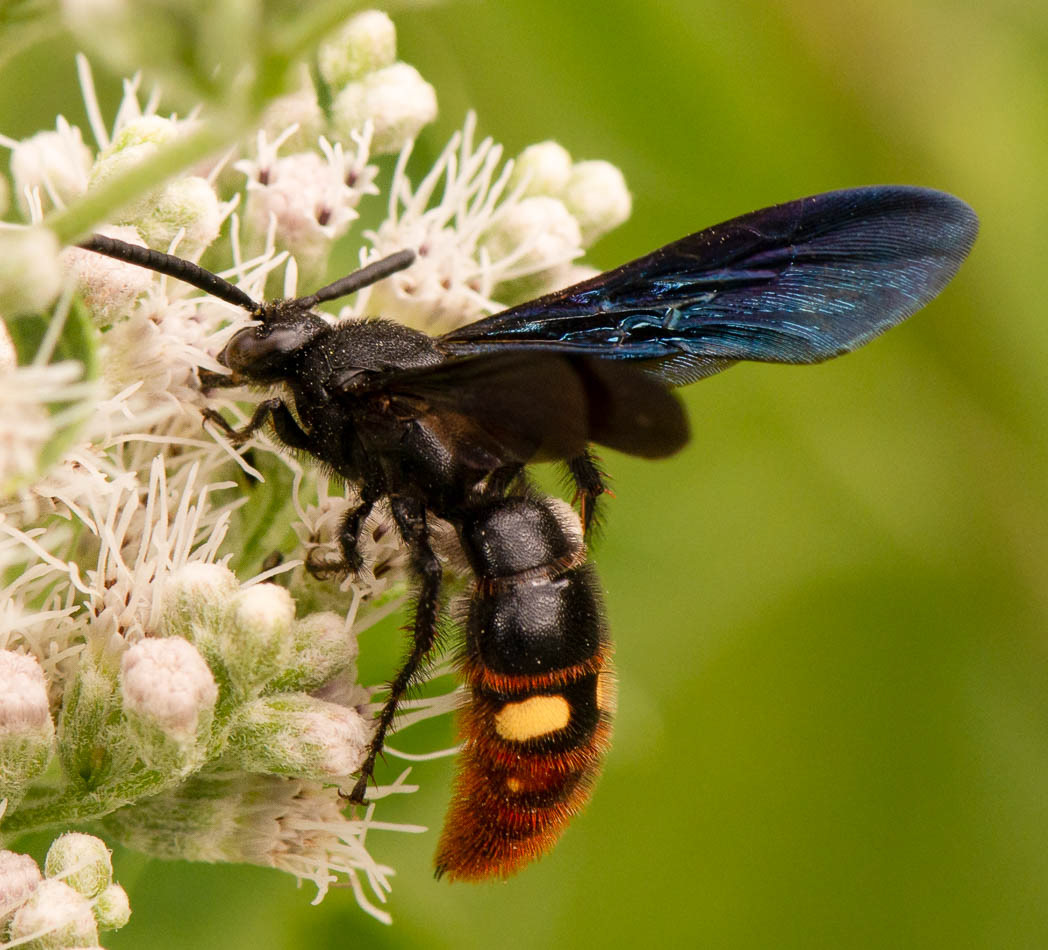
x: 27, y: 733
x: 396, y: 100
x: 169, y: 700
x: 542, y: 169
x: 112, y: 908
x: 299, y: 108
x: 367, y: 42
x: 323, y: 646
x: 196, y: 601
x: 55, y: 164
x: 108, y: 287
x: 188, y: 203
x: 30, y: 275
x: 81, y: 861
x: 596, y: 194
x: 258, y: 644
x: 19, y: 877
x: 54, y: 917
x: 294, y: 734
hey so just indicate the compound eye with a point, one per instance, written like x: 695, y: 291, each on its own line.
x: 253, y: 353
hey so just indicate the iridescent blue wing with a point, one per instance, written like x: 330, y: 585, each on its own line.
x: 799, y: 282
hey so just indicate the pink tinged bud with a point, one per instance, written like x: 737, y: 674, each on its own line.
x: 24, y: 706
x: 167, y: 684
x: 108, y: 287
x: 55, y: 916
x: 297, y: 735
x: 27, y: 732
x: 19, y: 877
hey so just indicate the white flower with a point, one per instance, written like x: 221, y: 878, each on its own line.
x: 309, y: 199
x: 53, y: 164
x: 458, y: 264
x: 31, y: 418
x: 24, y: 707
x: 541, y: 235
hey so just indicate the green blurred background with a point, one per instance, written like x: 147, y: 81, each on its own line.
x: 831, y: 609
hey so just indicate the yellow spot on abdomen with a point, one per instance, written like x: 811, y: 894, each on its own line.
x: 532, y: 717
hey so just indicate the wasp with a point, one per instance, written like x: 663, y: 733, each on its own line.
x: 445, y: 427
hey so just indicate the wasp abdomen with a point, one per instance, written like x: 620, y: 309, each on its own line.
x: 537, y: 660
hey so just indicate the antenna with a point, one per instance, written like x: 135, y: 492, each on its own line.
x: 205, y: 280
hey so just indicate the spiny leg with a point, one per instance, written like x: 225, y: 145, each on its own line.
x: 285, y: 425
x: 410, y: 518
x: 348, y: 543
x: 590, y: 484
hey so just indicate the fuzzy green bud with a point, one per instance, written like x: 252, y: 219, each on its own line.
x: 81, y: 861
x: 53, y: 918
x: 30, y: 275
x: 367, y: 42
x: 196, y: 600
x: 27, y: 733
x: 112, y: 908
x: 297, y: 735
x: 91, y: 701
x: 596, y: 194
x: 299, y: 108
x: 169, y: 701
x: 397, y: 102
x: 257, y: 644
x: 542, y: 169
x: 322, y: 648
x: 188, y: 203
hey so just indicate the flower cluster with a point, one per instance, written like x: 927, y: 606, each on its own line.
x: 160, y: 671
x: 68, y: 904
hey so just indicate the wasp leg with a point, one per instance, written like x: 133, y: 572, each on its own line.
x: 410, y: 517
x: 288, y: 431
x: 348, y: 544
x: 590, y: 484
